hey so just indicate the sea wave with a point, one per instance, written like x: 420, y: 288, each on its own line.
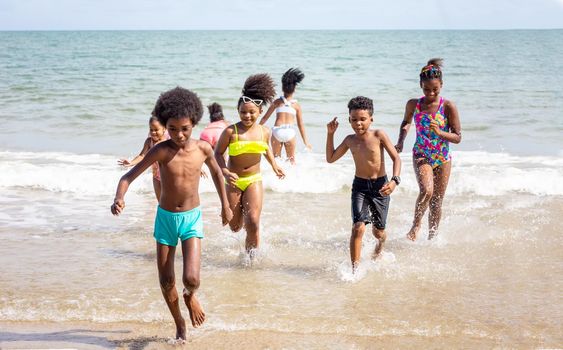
x: 474, y: 172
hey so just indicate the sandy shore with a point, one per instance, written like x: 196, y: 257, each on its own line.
x: 35, y: 335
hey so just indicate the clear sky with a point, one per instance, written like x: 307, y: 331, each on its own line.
x: 276, y: 14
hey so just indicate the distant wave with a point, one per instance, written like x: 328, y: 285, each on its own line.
x: 476, y: 172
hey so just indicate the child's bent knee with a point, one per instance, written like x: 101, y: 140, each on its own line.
x: 427, y: 193
x: 191, y: 282
x: 380, y: 234
x: 167, y: 282
x: 235, y: 226
x: 358, y: 229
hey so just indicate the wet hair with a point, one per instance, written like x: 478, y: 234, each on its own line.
x: 259, y: 86
x: 361, y: 102
x: 215, y: 112
x: 432, y: 70
x: 290, y: 79
x: 178, y: 103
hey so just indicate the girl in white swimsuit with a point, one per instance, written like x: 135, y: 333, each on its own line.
x: 288, y: 112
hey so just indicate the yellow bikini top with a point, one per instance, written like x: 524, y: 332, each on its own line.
x: 241, y: 147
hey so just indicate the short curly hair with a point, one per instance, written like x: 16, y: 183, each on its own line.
x: 178, y: 103
x: 259, y: 86
x: 361, y: 102
x: 290, y: 79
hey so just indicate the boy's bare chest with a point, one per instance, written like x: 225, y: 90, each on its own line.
x: 185, y: 163
x: 369, y: 149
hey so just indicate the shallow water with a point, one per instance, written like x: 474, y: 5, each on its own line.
x: 75, y: 102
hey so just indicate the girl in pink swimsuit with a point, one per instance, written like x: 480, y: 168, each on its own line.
x: 157, y: 133
x: 437, y: 124
x: 214, y: 129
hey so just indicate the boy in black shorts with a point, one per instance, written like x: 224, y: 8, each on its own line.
x: 370, y: 189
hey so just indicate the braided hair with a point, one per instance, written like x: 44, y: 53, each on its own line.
x: 290, y: 79
x: 260, y: 87
x: 432, y: 70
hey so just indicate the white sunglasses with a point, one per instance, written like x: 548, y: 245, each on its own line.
x: 257, y: 102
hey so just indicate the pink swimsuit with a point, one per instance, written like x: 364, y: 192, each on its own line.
x: 212, y: 132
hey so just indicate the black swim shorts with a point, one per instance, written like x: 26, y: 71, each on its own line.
x: 368, y: 205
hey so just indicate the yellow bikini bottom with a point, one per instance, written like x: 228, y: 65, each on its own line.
x: 244, y: 181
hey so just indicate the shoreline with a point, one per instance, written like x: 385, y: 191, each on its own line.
x: 87, y: 335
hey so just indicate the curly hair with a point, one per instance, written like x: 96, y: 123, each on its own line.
x: 259, y: 86
x: 361, y: 102
x: 290, y: 79
x: 154, y: 119
x: 215, y: 112
x: 178, y: 103
x: 432, y: 70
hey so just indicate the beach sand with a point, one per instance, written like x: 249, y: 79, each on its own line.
x: 136, y: 336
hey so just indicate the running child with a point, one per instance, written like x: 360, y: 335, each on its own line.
x: 370, y: 189
x: 178, y: 214
x: 437, y: 124
x: 246, y: 142
x: 288, y: 111
x: 157, y: 133
x: 216, y: 126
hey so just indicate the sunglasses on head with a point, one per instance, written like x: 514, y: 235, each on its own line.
x: 257, y: 102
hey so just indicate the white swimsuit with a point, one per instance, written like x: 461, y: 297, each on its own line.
x: 285, y: 132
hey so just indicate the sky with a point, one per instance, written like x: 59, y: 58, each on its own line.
x: 276, y: 14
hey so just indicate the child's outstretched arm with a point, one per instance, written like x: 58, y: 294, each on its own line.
x: 301, y: 127
x: 217, y: 176
x: 406, y: 124
x: 454, y: 136
x: 270, y: 158
x: 139, y: 157
x: 156, y: 153
x: 332, y: 155
x: 268, y: 113
x: 386, y: 141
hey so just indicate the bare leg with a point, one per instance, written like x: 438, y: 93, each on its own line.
x: 441, y: 178
x: 252, y: 208
x: 156, y: 186
x: 276, y: 147
x: 191, y: 251
x: 234, y: 196
x: 356, y: 244
x: 381, y: 237
x: 423, y: 172
x: 290, y: 149
x: 165, y: 264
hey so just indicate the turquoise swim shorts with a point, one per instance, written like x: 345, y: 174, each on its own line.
x: 169, y: 226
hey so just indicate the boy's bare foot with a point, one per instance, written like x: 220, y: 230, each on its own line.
x: 413, y: 232
x: 181, y: 332
x: 196, y: 312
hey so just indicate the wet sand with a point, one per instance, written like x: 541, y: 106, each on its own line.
x: 16, y: 335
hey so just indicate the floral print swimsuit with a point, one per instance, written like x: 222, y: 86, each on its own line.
x: 428, y: 145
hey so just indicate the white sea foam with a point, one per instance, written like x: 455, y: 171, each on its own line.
x: 477, y: 172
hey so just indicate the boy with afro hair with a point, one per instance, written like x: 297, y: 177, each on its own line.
x: 178, y: 214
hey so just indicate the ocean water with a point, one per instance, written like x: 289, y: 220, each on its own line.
x: 72, y: 103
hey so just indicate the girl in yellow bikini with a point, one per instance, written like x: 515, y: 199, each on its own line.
x: 246, y: 141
